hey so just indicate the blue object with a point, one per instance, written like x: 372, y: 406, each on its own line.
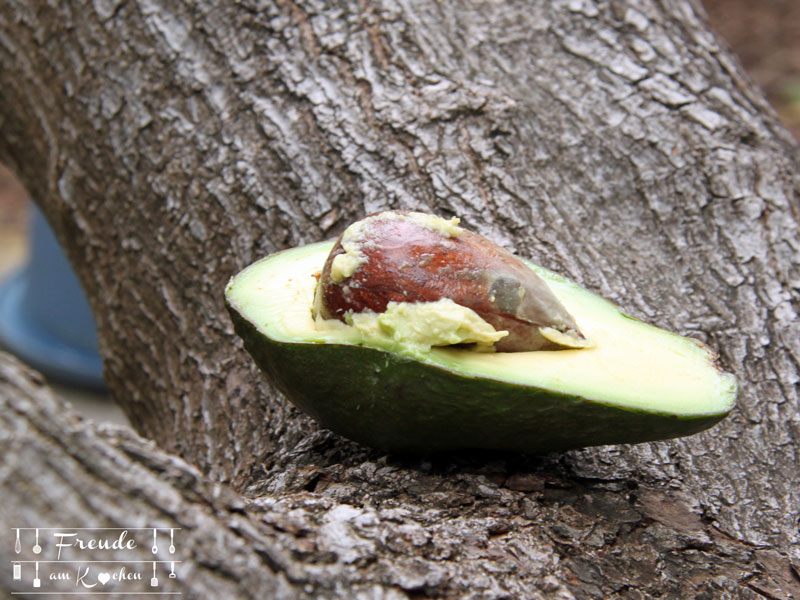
x: 44, y: 316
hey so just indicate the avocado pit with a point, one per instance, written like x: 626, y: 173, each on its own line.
x: 396, y: 258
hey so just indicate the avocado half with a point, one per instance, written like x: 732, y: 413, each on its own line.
x: 637, y: 383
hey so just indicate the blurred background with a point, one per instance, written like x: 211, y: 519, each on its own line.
x: 765, y: 35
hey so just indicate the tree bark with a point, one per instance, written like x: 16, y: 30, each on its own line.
x: 170, y: 143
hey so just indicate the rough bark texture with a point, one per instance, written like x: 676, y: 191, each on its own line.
x: 172, y: 142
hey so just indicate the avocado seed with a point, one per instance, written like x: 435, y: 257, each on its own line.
x: 402, y: 256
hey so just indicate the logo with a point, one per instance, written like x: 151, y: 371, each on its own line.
x: 94, y: 561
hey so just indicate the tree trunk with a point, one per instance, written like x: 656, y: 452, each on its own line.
x: 170, y: 143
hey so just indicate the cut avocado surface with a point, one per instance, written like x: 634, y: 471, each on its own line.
x: 635, y: 383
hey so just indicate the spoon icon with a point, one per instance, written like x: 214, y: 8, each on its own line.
x: 171, y: 541
x: 155, y: 546
x: 37, y: 549
x: 17, y: 544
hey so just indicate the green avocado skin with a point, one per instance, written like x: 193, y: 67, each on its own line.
x: 395, y: 403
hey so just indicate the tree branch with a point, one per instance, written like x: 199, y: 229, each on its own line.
x: 489, y: 527
x: 171, y: 143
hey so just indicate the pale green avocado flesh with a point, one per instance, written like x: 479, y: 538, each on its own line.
x: 636, y: 383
